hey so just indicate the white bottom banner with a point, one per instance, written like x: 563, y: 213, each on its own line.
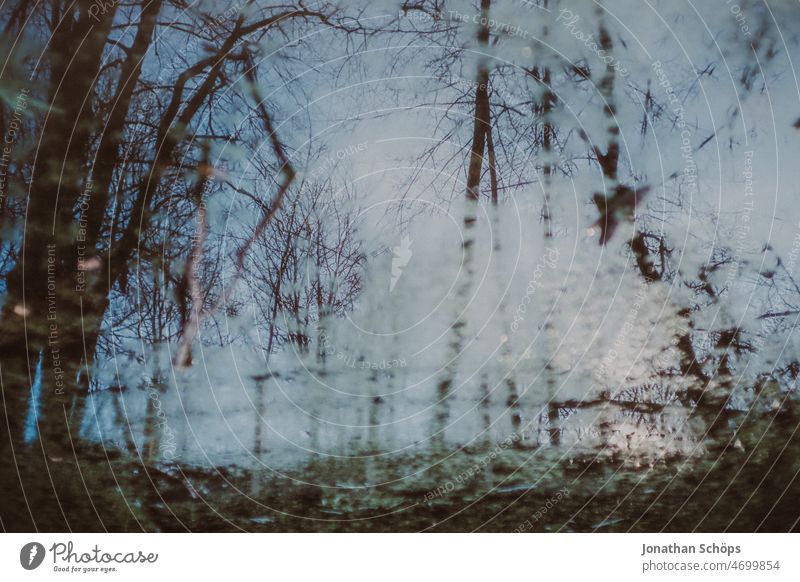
x: 399, y: 557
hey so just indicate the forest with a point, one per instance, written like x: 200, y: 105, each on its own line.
x: 399, y: 265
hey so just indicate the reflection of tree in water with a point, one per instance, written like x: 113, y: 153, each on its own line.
x: 192, y: 280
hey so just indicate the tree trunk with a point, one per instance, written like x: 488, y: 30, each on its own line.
x: 479, y: 131
x: 42, y: 310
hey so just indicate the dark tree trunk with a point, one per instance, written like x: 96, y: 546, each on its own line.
x: 42, y: 310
